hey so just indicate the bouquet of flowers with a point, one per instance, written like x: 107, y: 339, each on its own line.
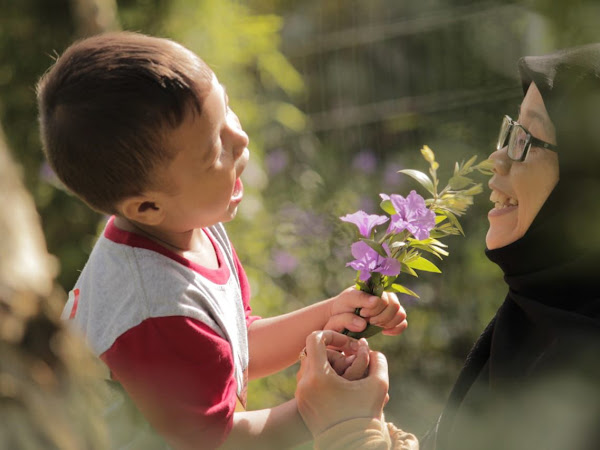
x: 414, y: 226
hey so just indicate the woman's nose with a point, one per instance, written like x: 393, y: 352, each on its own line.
x: 502, y: 162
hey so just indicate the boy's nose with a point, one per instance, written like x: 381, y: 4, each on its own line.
x: 502, y: 162
x: 237, y: 134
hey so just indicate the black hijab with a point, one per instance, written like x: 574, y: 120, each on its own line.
x: 544, y: 341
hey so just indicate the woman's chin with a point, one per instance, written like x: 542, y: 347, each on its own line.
x: 496, y: 238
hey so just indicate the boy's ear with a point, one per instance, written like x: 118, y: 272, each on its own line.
x: 143, y: 209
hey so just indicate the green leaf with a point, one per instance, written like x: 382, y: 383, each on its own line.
x: 426, y: 248
x: 423, y: 264
x: 404, y: 290
x: 423, y: 179
x: 387, y: 206
x: 459, y: 182
x: 439, y: 218
x: 440, y: 250
x: 407, y: 269
x: 468, y: 164
x: 438, y: 243
x: 485, y: 167
x: 454, y: 221
x: 473, y: 190
x: 375, y: 246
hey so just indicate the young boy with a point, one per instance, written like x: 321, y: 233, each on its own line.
x: 140, y: 129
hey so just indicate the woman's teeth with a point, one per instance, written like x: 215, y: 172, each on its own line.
x: 502, y: 201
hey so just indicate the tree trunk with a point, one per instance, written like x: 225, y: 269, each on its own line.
x: 47, y: 398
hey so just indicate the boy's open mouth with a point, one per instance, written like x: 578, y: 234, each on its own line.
x: 238, y: 190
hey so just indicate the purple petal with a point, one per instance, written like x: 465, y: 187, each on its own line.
x: 398, y: 202
x: 421, y: 226
x: 364, y: 275
x: 364, y: 221
x: 360, y: 250
x: 389, y: 266
x: 356, y: 265
x: 415, y: 202
x: 397, y: 224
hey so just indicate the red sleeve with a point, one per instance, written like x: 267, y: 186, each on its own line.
x: 245, y: 288
x: 180, y: 374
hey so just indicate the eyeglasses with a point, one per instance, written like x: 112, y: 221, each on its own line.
x: 519, y: 140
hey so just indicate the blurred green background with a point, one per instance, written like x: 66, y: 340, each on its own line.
x: 336, y: 95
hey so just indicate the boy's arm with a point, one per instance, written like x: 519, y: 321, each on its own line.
x: 179, y: 374
x: 278, y: 427
x: 274, y: 343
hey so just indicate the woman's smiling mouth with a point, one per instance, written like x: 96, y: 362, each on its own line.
x: 502, y: 200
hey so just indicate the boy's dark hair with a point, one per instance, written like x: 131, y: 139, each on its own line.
x: 105, y: 106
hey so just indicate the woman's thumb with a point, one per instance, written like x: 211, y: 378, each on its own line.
x: 378, y: 369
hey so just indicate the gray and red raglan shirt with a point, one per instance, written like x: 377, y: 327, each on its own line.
x: 172, y: 333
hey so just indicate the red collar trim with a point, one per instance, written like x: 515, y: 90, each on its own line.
x: 218, y: 276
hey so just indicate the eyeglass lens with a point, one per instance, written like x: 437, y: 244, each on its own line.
x: 516, y: 143
x: 504, y: 128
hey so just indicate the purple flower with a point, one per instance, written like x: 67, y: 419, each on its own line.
x: 365, y: 161
x: 412, y: 215
x: 284, y: 262
x: 391, y: 176
x: 276, y: 161
x: 368, y: 261
x: 364, y: 221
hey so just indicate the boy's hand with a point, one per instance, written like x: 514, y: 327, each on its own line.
x: 385, y: 312
x: 351, y: 366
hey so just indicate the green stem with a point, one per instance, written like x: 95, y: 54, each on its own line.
x: 374, y: 287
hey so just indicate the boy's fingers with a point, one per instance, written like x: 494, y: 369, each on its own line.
x: 388, y: 306
x: 318, y: 341
x: 353, y: 298
x: 392, y: 316
x: 374, y: 308
x: 347, y: 320
x: 398, y: 329
x: 358, y: 368
x: 391, y: 312
x: 339, y: 361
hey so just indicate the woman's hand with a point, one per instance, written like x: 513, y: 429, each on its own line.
x: 325, y: 398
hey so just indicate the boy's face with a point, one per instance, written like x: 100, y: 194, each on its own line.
x: 204, y: 177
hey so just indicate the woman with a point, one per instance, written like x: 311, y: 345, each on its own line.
x: 532, y: 380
